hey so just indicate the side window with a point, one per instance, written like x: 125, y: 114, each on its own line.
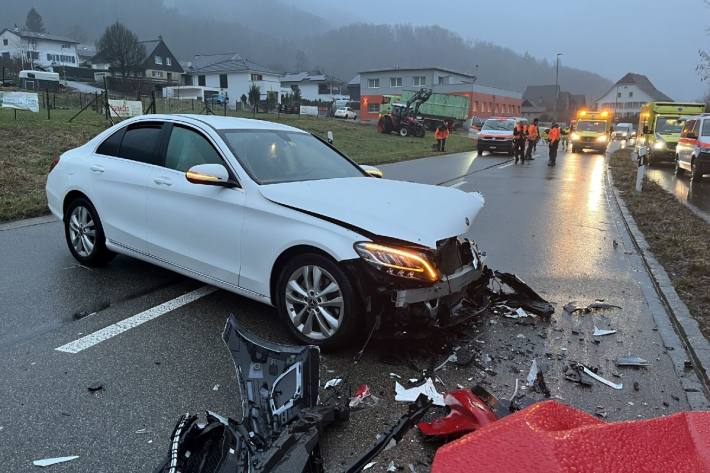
x: 188, y: 148
x: 706, y: 127
x: 688, y: 129
x: 695, y: 130
x: 112, y: 144
x: 140, y: 143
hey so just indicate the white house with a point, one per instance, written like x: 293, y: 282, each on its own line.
x: 38, y: 49
x: 628, y: 94
x: 232, y: 75
x: 316, y: 86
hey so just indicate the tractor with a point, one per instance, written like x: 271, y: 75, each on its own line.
x: 402, y: 118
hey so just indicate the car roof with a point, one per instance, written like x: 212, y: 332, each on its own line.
x: 225, y: 123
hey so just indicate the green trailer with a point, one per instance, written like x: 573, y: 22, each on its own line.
x: 440, y: 108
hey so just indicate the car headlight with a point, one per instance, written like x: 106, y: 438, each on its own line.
x: 401, y: 262
x: 659, y: 145
x: 602, y: 139
x: 574, y: 137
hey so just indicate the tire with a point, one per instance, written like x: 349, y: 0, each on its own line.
x: 480, y: 151
x: 80, y: 220
x: 297, y: 292
x: 575, y: 149
x: 695, y: 174
x: 678, y: 171
x: 404, y: 131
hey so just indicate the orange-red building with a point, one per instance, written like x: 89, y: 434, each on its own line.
x: 483, y: 101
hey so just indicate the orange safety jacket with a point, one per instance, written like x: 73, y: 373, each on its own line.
x: 554, y: 134
x: 441, y: 135
x: 532, y: 132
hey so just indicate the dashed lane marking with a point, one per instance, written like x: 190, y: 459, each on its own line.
x: 124, y: 325
x: 506, y: 165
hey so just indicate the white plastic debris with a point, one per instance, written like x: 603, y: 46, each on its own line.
x: 532, y: 374
x: 414, y: 380
x: 331, y: 383
x: 411, y: 394
x: 598, y: 332
x: 520, y: 335
x: 592, y: 374
x: 369, y: 465
x: 53, y: 461
x: 216, y: 387
x: 450, y: 358
x: 395, y: 375
x: 391, y: 466
x: 142, y: 431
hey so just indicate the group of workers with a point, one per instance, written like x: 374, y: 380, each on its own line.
x: 526, y: 137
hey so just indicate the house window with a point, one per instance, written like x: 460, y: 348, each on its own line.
x: 188, y: 80
x: 5, y: 55
x: 168, y: 61
x: 395, y: 82
x: 32, y: 54
x: 419, y: 80
x: 475, y: 106
x: 4, y: 42
x: 66, y: 46
x: 374, y: 84
x: 631, y: 94
x: 201, y: 80
x: 159, y: 60
x: 618, y: 95
x: 373, y: 107
x: 255, y: 77
x: 223, y: 81
x: 50, y: 57
x: 443, y: 80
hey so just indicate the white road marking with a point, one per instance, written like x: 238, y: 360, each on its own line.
x: 505, y: 165
x: 458, y: 184
x: 118, y: 328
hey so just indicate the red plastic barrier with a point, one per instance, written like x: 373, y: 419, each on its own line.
x: 467, y: 413
x: 551, y: 437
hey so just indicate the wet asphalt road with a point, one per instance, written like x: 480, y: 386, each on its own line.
x: 555, y: 227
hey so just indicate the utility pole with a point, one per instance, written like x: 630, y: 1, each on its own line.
x: 557, y: 86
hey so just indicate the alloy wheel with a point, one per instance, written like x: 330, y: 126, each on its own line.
x: 314, y: 302
x: 82, y: 231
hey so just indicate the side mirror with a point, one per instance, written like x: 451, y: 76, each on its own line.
x: 372, y: 171
x: 210, y: 175
x: 645, y: 130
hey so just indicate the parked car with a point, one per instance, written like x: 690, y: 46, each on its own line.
x: 346, y: 112
x: 496, y: 135
x: 272, y: 213
x: 693, y: 149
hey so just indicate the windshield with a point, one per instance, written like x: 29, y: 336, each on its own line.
x: 502, y: 125
x: 271, y: 156
x: 622, y: 128
x: 591, y: 125
x: 669, y: 125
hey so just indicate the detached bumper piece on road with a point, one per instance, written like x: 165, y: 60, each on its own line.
x: 283, y: 421
x: 552, y: 437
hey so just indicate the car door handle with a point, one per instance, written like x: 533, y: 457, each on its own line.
x: 162, y: 181
x: 96, y: 169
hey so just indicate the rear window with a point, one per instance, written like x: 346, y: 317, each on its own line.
x: 140, y: 143
x: 111, y: 146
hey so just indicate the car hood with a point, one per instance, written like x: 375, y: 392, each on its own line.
x: 417, y: 213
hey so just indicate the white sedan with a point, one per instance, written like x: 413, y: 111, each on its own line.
x: 345, y: 112
x: 272, y: 213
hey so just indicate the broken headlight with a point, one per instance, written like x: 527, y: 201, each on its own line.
x: 401, y: 262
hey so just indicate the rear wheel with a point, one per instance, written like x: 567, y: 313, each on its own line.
x: 576, y: 149
x: 317, y: 301
x: 404, y: 131
x: 85, y: 235
x: 480, y: 151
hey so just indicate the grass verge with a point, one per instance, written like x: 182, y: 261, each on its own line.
x: 30, y: 143
x: 678, y: 238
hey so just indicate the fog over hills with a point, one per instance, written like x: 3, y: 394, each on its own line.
x: 306, y: 36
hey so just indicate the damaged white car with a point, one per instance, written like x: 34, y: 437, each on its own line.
x: 275, y: 214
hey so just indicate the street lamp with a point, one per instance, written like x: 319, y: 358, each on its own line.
x: 557, y: 89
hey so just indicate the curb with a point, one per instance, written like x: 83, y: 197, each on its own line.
x: 27, y: 222
x: 696, y: 345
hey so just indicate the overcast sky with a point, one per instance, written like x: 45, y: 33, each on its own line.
x: 658, y: 38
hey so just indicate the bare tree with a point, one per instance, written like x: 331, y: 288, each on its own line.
x: 703, y: 67
x: 34, y: 22
x: 119, y: 46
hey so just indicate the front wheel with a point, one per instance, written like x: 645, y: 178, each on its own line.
x: 404, y: 131
x: 677, y: 170
x: 317, y: 301
x: 695, y: 173
x: 85, y: 234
